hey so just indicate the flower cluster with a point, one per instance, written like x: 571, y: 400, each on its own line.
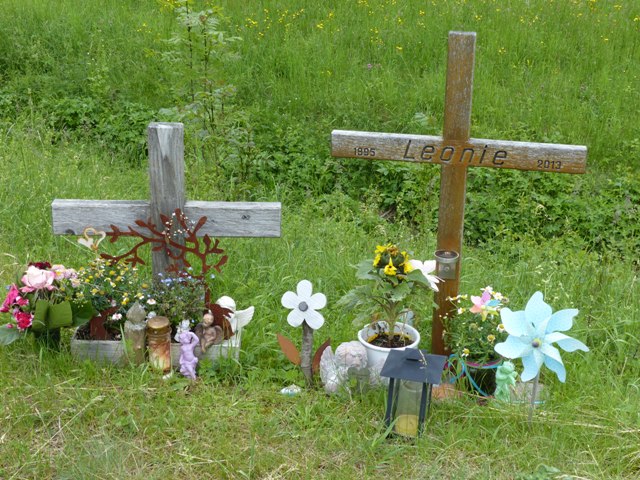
x: 392, y: 261
x: 392, y: 278
x: 109, y: 285
x: 41, y: 282
x: 179, y: 298
x: 475, y: 330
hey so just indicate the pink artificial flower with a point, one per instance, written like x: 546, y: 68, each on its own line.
x: 13, y: 294
x: 479, y: 302
x: 59, y: 271
x: 23, y: 319
x: 36, y: 279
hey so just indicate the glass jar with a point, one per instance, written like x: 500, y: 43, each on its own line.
x: 159, y: 343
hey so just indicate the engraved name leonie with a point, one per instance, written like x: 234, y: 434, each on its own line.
x: 487, y: 155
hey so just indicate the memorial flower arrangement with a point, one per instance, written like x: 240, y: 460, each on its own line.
x: 42, y: 300
x: 180, y: 297
x: 392, y: 279
x: 110, y: 287
x: 475, y: 330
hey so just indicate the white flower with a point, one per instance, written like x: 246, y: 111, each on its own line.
x: 151, y: 301
x: 426, y: 268
x: 304, y: 306
x: 116, y: 317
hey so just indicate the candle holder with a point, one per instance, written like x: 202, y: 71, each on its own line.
x: 412, y: 374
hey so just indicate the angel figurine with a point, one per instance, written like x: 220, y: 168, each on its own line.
x: 208, y: 333
x: 188, y: 342
x: 237, y: 318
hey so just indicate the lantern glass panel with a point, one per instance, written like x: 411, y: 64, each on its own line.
x: 407, y: 409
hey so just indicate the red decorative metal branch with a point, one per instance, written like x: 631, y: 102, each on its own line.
x: 178, y: 238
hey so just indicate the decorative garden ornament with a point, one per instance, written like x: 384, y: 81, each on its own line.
x: 412, y: 374
x: 237, y: 318
x: 532, y: 333
x: 134, y: 333
x: 188, y: 342
x: 505, y: 380
x: 350, y: 357
x: 304, y: 305
x: 91, y: 238
x: 208, y: 333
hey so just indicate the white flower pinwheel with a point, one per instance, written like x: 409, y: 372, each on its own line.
x: 427, y: 267
x: 303, y: 305
x: 532, y: 333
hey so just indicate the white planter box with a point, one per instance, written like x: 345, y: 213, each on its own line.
x: 114, y: 351
x: 227, y: 349
x: 100, y: 351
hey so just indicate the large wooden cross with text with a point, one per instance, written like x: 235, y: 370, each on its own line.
x: 455, y: 151
x: 166, y: 179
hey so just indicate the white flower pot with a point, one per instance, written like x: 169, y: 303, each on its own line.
x: 376, y: 356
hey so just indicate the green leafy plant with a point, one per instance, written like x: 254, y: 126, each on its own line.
x: 180, y: 297
x: 392, y: 279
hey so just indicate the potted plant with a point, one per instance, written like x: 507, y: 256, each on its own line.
x: 391, y: 279
x: 472, y: 335
x: 111, y: 287
x: 181, y: 298
x: 41, y: 303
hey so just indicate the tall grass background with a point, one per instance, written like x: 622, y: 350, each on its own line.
x: 79, y: 83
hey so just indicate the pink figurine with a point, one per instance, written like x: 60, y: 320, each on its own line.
x: 188, y: 361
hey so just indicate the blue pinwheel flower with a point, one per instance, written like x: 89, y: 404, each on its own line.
x: 532, y: 333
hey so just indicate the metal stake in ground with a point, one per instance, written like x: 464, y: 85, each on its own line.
x: 455, y: 151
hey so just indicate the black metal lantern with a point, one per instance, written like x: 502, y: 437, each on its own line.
x: 412, y: 374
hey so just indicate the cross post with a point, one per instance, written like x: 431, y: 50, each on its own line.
x: 455, y: 151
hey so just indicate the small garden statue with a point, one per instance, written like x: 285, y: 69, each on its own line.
x: 135, y: 333
x: 505, y: 380
x: 237, y: 318
x: 188, y: 342
x: 335, y: 368
x: 208, y: 333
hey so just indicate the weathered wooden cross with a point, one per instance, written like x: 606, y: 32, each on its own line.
x: 455, y: 151
x: 166, y: 179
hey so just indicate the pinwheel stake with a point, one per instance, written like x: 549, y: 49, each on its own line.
x: 304, y: 306
x: 532, y: 333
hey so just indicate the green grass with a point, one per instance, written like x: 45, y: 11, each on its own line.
x: 63, y: 419
x: 545, y: 71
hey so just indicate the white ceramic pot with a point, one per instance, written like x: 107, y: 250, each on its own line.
x: 376, y: 356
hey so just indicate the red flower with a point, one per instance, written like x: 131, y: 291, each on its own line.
x: 40, y: 265
x: 23, y: 319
